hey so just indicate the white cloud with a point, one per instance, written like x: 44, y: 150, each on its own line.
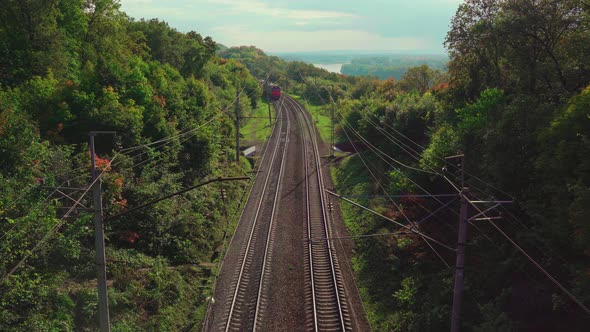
x: 322, y: 40
x: 326, y: 25
x: 260, y: 8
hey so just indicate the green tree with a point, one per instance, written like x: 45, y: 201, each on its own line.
x: 420, y: 79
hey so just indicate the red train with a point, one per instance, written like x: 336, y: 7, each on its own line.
x: 275, y: 93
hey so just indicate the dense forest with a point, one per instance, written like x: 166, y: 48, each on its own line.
x: 71, y: 66
x: 516, y: 104
x: 514, y: 99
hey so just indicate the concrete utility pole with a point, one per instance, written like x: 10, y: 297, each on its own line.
x: 332, y: 143
x: 269, y: 117
x: 461, y: 242
x: 267, y: 88
x: 460, y: 263
x: 238, y: 126
x: 101, y: 278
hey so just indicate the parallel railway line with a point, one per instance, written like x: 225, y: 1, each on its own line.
x: 327, y: 298
x: 246, y: 301
x: 248, y: 283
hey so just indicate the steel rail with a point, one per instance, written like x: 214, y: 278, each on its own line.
x: 272, y: 214
x: 334, y: 277
x: 258, y: 164
x: 309, y: 235
x: 249, y: 244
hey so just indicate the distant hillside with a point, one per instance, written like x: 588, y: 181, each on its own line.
x: 319, y: 57
x: 379, y: 65
x: 394, y: 66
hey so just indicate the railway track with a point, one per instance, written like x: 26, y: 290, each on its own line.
x: 248, y: 283
x: 248, y: 296
x: 325, y: 297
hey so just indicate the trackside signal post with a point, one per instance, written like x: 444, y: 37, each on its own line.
x: 101, y: 277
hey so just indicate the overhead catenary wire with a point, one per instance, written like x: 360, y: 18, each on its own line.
x: 443, y: 205
x: 547, y: 274
x: 495, y: 226
x: 412, y: 181
x: 163, y: 141
x: 358, y: 135
x: 381, y: 154
x: 395, y: 141
x: 225, y: 247
x: 19, y: 197
x: 36, y: 208
x: 57, y: 189
x: 45, y: 200
x: 409, y: 228
x: 381, y: 186
x: 442, y: 158
x: 388, y: 156
x: 183, y: 132
x: 126, y: 151
x: 110, y: 164
x: 559, y: 285
x: 60, y: 223
x: 413, y: 153
x: 393, y: 202
x: 518, y: 247
x: 529, y: 231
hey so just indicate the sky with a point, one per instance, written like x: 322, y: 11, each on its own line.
x: 279, y: 26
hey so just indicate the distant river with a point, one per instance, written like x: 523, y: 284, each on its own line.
x: 332, y: 67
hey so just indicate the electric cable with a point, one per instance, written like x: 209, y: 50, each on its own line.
x: 362, y: 138
x: 442, y: 159
x: 60, y: 223
x: 183, y: 132
x: 392, y: 201
x: 162, y: 142
x: 450, y: 182
x: 406, y: 176
x: 45, y: 200
x: 559, y: 285
x: 380, y: 151
x: 257, y: 165
x: 547, y: 274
